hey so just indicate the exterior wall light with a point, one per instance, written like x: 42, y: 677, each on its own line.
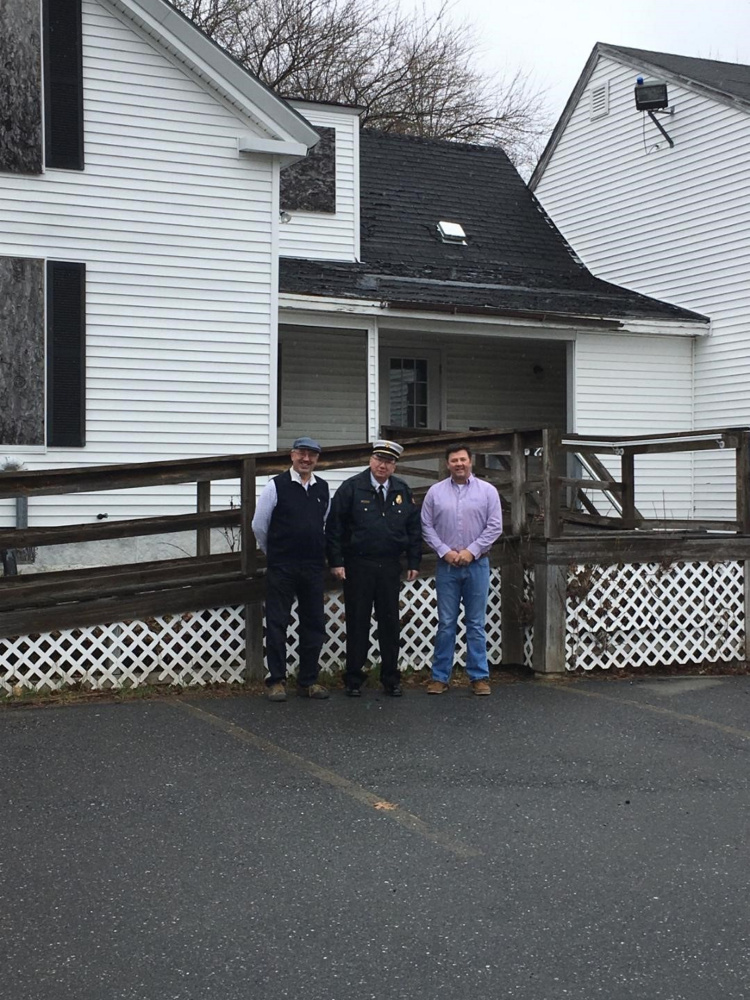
x: 651, y: 96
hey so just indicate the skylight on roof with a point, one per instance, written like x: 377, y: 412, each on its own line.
x: 451, y: 232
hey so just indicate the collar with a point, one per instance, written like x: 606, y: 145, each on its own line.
x: 468, y: 481
x: 297, y: 478
x: 375, y: 484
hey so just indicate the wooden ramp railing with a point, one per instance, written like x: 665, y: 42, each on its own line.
x: 551, y: 519
x: 37, y: 602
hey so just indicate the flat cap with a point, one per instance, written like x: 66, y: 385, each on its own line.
x: 309, y: 443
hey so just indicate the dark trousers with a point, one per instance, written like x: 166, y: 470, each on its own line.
x: 369, y: 583
x: 283, y: 584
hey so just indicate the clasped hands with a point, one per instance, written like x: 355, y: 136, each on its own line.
x: 339, y: 573
x: 462, y: 558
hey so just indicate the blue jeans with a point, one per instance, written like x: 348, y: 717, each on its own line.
x: 454, y: 584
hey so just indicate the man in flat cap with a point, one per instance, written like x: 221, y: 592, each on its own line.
x: 373, y: 522
x: 289, y: 526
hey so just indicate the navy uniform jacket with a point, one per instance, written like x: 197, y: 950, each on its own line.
x: 357, y: 527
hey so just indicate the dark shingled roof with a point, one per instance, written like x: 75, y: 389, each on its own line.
x: 515, y: 260
x: 731, y: 79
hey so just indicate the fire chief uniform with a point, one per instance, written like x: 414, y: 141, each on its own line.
x: 367, y: 535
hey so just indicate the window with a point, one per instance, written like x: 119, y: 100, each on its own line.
x: 20, y: 92
x: 38, y: 410
x: 21, y: 352
x: 309, y: 185
x: 407, y: 392
x: 600, y: 101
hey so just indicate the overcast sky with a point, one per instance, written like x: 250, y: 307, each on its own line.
x: 552, y: 39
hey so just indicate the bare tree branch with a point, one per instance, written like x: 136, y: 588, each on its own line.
x: 413, y: 73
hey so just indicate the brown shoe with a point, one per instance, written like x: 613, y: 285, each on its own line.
x: 436, y: 687
x: 276, y: 692
x: 481, y: 687
x: 313, y: 691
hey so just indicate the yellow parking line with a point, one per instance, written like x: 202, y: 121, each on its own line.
x: 390, y: 809
x: 744, y: 734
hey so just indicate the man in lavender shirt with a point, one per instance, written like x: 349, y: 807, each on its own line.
x: 461, y: 518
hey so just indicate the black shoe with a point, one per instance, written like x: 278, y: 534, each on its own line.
x: 353, y: 692
x: 395, y: 691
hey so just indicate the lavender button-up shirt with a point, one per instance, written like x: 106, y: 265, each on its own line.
x: 468, y: 517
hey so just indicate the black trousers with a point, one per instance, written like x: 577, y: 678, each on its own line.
x: 371, y: 584
x: 283, y: 584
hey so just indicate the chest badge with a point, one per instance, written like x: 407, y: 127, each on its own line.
x: 399, y: 498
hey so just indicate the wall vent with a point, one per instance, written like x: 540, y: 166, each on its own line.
x: 600, y: 101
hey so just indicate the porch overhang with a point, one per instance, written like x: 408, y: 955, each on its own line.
x: 395, y: 314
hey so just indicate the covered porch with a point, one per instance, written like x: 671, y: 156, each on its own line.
x: 344, y: 378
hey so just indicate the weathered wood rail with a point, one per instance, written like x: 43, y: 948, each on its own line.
x: 552, y: 521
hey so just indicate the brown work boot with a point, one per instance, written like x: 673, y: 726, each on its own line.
x: 276, y: 692
x: 481, y: 687
x: 436, y: 687
x: 313, y: 691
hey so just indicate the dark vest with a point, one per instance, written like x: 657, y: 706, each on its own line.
x: 297, y: 530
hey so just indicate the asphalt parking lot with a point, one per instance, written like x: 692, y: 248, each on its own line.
x: 582, y: 839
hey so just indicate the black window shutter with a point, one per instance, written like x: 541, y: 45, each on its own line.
x: 66, y: 354
x: 63, y: 84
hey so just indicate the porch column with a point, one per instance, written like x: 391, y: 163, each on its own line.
x: 373, y: 380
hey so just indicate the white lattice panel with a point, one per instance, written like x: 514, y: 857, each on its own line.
x: 528, y: 602
x: 208, y: 647
x: 648, y: 614
x: 202, y: 647
x: 631, y: 615
x: 418, y: 626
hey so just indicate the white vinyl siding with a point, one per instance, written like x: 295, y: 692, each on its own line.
x: 639, y: 385
x: 494, y: 384
x: 319, y: 235
x: 671, y: 223
x: 323, y: 385
x: 176, y: 231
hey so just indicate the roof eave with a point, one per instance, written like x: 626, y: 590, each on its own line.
x: 658, y: 69
x: 685, y: 327
x: 565, y: 117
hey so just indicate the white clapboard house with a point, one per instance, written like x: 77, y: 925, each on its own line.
x: 139, y: 194
x: 179, y: 279
x: 658, y: 200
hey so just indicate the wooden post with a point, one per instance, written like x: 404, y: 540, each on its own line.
x: 550, y: 453
x: 743, y: 483
x: 628, y: 489
x: 511, y: 599
x: 550, y: 585
x: 511, y: 573
x: 203, y: 535
x: 254, y: 666
x: 519, y: 475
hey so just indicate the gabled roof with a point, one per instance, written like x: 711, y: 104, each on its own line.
x: 187, y: 43
x: 514, y: 262
x: 725, y: 82
x: 724, y: 79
